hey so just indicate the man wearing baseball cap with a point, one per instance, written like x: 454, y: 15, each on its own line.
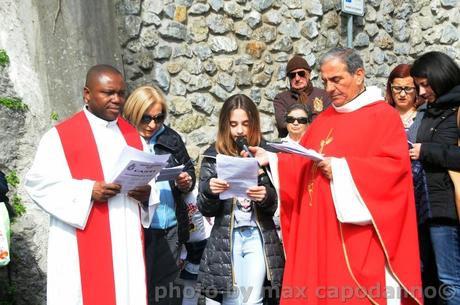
x: 301, y: 91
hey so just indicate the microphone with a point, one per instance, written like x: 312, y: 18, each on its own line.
x: 242, y: 144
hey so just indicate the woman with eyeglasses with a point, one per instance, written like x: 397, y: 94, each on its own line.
x: 244, y: 251
x: 297, y: 121
x: 146, y: 109
x: 437, y: 77
x: 401, y: 93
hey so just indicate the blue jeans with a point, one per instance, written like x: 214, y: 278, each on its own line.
x: 248, y: 267
x: 446, y: 246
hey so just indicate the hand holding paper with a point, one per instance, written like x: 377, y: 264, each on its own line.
x: 170, y: 173
x: 325, y: 167
x: 239, y: 173
x: 104, y: 191
x: 141, y: 193
x: 218, y: 186
x: 136, y: 168
x: 257, y: 193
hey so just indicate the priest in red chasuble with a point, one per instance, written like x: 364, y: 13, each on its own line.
x: 95, y: 246
x: 348, y: 222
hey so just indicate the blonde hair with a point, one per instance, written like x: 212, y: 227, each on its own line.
x: 140, y: 100
x: 225, y: 143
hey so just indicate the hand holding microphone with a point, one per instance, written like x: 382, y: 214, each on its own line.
x: 261, y: 156
x: 243, y: 145
x: 255, y: 152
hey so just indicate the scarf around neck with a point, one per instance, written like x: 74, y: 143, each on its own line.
x: 304, y: 93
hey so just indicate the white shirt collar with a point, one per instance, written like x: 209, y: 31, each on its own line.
x: 289, y: 139
x: 370, y: 95
x: 97, y: 120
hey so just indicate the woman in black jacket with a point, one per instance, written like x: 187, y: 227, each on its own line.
x: 146, y: 109
x: 401, y: 93
x: 244, y: 251
x: 437, y: 78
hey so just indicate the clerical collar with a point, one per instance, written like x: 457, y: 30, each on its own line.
x: 97, y: 120
x: 369, y: 96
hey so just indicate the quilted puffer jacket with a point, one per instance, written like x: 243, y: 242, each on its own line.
x: 216, y: 271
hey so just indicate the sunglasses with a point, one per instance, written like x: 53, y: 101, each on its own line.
x: 300, y: 120
x: 299, y: 73
x: 159, y: 118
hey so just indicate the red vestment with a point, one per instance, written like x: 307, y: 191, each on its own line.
x: 94, y: 242
x: 328, y: 262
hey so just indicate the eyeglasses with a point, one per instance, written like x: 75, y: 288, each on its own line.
x: 398, y: 89
x: 300, y: 73
x: 300, y: 120
x: 159, y: 118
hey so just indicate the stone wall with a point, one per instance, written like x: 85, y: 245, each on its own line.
x: 201, y: 52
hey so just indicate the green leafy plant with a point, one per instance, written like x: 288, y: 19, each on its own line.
x: 4, y: 58
x: 54, y: 116
x: 16, y: 203
x: 13, y: 103
x: 16, y: 200
x: 12, y: 179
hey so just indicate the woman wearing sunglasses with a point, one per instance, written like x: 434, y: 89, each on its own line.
x: 297, y: 122
x: 146, y: 109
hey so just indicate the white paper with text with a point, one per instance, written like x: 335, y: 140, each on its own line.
x: 137, y: 168
x: 240, y: 173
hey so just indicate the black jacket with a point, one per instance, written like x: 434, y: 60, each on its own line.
x: 285, y: 99
x: 439, y: 152
x: 3, y: 192
x: 3, y: 188
x: 216, y: 264
x: 170, y: 142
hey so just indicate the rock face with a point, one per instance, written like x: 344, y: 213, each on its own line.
x: 27, y: 249
x: 47, y: 67
x: 198, y: 52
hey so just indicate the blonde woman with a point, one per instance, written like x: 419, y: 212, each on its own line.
x: 146, y: 109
